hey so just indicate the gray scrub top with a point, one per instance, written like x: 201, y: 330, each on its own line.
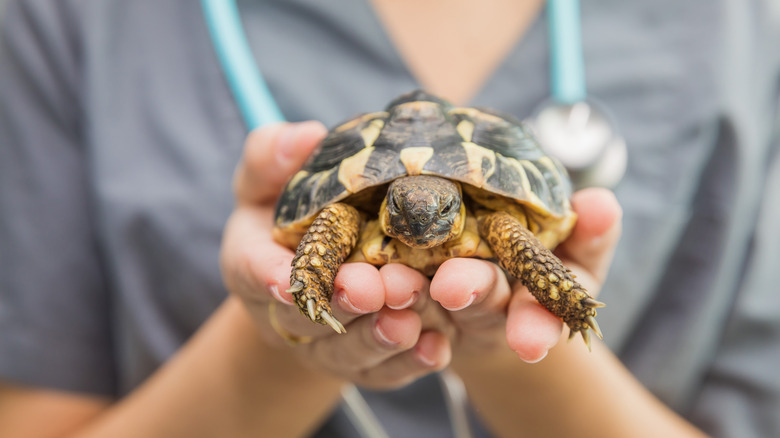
x: 118, y: 137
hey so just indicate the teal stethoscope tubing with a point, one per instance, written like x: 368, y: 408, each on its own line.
x: 250, y: 91
x: 258, y: 107
x: 567, y: 65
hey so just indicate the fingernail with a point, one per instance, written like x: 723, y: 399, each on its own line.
x: 597, y: 241
x: 274, y: 291
x: 381, y: 336
x: 428, y: 362
x: 534, y: 360
x: 424, y: 353
x: 345, y: 303
x: 412, y: 299
x: 468, y: 303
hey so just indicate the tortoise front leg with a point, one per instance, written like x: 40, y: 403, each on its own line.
x: 549, y: 281
x: 328, y: 242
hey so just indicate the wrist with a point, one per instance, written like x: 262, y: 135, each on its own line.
x: 276, y: 360
x: 260, y: 386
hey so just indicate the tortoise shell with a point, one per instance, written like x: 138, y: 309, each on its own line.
x: 495, y: 156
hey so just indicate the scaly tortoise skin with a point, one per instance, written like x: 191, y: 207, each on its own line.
x: 422, y: 182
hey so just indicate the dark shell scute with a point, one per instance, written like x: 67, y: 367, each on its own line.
x: 507, y: 137
x: 383, y: 165
x: 407, y: 129
x: 506, y: 178
x: 308, y: 196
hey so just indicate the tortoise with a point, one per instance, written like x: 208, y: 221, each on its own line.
x: 424, y: 181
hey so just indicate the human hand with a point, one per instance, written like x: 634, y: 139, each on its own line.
x: 383, y: 347
x: 489, y: 312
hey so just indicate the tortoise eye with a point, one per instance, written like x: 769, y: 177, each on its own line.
x: 448, y: 207
x: 393, y: 203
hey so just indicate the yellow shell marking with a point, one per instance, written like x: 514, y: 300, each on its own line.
x: 297, y: 178
x: 476, y: 155
x: 351, y: 170
x: 477, y: 114
x: 414, y: 159
x: 466, y: 130
x: 371, y: 132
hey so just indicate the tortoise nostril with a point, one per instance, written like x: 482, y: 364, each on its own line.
x: 420, y: 215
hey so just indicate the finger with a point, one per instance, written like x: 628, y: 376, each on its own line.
x: 358, y: 290
x: 471, y: 288
x: 254, y: 266
x: 403, y: 285
x: 432, y: 353
x: 272, y: 154
x: 594, y: 237
x: 531, y: 330
x: 369, y: 341
x: 408, y: 288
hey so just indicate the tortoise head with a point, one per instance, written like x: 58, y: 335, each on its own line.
x: 423, y: 211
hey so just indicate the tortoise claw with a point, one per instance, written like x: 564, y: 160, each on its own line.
x: 333, y: 322
x: 572, y: 334
x: 594, y: 326
x: 311, y: 309
x: 590, y: 302
x: 297, y: 286
x: 311, y: 306
x: 586, y: 337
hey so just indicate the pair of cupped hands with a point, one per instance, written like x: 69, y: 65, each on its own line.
x: 400, y: 324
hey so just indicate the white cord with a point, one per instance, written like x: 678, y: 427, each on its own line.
x: 362, y: 416
x: 455, y: 398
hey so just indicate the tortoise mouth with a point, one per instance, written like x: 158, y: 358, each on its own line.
x: 427, y: 239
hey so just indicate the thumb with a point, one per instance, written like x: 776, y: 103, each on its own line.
x: 595, y: 236
x: 272, y: 154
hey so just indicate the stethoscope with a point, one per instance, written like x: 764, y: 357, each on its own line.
x: 570, y: 126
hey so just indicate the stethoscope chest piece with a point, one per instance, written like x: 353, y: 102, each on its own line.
x: 583, y: 137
